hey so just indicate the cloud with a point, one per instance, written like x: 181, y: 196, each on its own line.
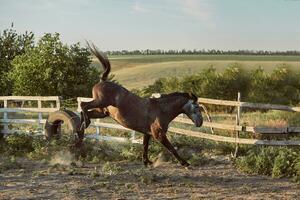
x: 138, y: 8
x: 200, y: 10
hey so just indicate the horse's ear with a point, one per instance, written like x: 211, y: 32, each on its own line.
x: 194, y: 97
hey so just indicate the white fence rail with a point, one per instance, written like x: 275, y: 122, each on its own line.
x: 15, y: 104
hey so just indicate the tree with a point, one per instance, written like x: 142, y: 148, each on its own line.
x: 234, y: 79
x: 285, y: 86
x: 11, y: 45
x: 53, y: 68
x: 259, y: 89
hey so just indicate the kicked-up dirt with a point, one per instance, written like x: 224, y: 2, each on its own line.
x: 131, y: 180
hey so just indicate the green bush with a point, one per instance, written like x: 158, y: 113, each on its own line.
x: 19, y: 144
x: 275, y: 161
x: 284, y: 163
x: 132, y: 152
x: 111, y: 168
x: 282, y: 86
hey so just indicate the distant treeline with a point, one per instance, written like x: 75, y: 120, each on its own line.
x: 201, y: 52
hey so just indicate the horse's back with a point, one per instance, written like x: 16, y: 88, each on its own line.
x: 108, y: 90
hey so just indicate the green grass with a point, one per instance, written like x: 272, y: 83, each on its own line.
x: 138, y: 71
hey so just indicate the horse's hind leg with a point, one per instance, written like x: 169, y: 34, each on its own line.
x: 162, y: 138
x: 85, y: 106
x: 145, y: 153
x: 97, y: 113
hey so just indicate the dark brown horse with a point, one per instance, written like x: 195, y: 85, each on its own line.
x: 150, y: 116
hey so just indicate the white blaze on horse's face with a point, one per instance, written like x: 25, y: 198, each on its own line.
x: 192, y: 110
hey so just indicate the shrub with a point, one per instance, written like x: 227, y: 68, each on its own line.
x: 284, y: 163
x: 132, y: 152
x: 19, y: 144
x: 110, y: 168
x: 279, y: 87
x: 275, y: 161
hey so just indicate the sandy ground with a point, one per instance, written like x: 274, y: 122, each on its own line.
x: 131, y: 180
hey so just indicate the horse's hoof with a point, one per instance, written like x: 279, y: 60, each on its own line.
x: 185, y: 164
x: 148, y: 163
x: 87, y: 123
x: 188, y: 168
x: 82, y: 127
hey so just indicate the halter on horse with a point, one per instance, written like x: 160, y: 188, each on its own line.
x: 146, y: 115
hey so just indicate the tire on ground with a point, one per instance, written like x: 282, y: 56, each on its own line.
x: 55, y: 119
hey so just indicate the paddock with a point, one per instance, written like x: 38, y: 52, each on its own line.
x: 62, y: 177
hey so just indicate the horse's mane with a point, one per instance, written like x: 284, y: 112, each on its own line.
x: 174, y: 94
x: 167, y: 99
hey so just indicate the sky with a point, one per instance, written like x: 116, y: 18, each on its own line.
x: 161, y: 24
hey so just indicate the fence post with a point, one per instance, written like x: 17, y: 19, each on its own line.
x: 238, y: 117
x: 40, y: 115
x: 132, y: 136
x: 98, y: 129
x: 5, y: 118
x: 58, y: 103
x: 78, y: 104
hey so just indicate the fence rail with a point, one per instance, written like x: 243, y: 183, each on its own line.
x: 38, y: 109
x: 220, y: 138
x: 248, y: 105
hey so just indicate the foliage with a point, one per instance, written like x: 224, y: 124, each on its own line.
x: 52, y: 68
x: 132, y: 152
x: 282, y: 86
x: 12, y: 44
x: 279, y: 87
x: 275, y: 161
x: 110, y: 168
x: 19, y: 144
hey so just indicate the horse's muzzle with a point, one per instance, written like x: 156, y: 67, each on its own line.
x: 198, y: 122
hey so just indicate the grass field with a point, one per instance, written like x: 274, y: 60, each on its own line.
x: 138, y: 71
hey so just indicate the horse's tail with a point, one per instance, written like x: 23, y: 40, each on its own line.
x: 103, y: 59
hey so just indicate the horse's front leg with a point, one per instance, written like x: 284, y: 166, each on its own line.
x: 145, y: 153
x: 160, y: 135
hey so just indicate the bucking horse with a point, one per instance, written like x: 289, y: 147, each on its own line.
x: 150, y: 116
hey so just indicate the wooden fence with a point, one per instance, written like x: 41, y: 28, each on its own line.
x: 17, y: 104
x: 232, y: 127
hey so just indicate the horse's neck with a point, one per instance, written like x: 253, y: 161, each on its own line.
x: 174, y: 108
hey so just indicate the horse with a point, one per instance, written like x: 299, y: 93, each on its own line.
x: 150, y: 116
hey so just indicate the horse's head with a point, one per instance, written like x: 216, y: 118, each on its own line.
x: 192, y: 110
